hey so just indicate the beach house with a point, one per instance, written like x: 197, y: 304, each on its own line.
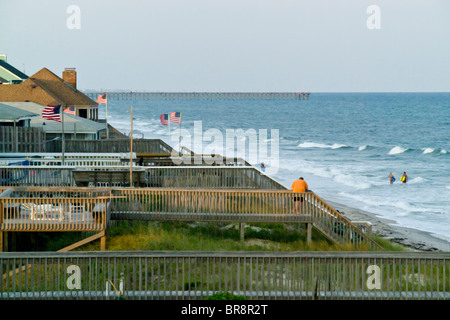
x: 46, y: 88
x: 74, y: 127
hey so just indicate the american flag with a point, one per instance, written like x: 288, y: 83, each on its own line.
x: 52, y: 113
x: 101, y: 98
x: 164, y: 119
x: 175, y: 117
x: 70, y: 110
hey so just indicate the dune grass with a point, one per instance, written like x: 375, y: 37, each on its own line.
x: 388, y: 245
x: 217, y: 237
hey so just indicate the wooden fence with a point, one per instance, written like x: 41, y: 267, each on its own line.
x: 197, y: 275
x: 22, y: 139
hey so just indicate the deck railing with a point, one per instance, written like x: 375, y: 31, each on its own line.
x: 71, y: 159
x: 210, y: 177
x: 30, y: 209
x: 110, y: 145
x: 196, y: 160
x: 57, y: 192
x: 58, y: 176
x: 78, y: 162
x: 197, y: 275
x: 170, y: 177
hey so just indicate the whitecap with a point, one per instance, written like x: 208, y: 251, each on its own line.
x: 416, y: 180
x: 398, y: 150
x: 427, y: 150
x: 443, y: 151
x: 351, y: 181
x: 321, y: 145
x: 361, y: 148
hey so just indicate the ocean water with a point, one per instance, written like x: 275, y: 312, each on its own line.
x: 343, y: 144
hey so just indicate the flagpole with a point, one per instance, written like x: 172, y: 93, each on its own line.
x: 179, y: 138
x: 63, y: 143
x: 168, y: 122
x: 131, y: 150
x: 106, y: 117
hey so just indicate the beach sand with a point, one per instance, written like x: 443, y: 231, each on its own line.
x: 409, y: 237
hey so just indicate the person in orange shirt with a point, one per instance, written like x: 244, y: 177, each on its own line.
x: 299, y: 185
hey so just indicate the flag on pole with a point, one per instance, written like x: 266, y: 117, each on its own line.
x: 175, y: 117
x: 52, y: 113
x: 101, y: 98
x: 70, y: 110
x: 164, y: 119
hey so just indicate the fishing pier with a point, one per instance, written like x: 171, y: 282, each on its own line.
x: 145, y: 95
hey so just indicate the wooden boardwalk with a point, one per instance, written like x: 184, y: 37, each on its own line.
x: 88, y: 209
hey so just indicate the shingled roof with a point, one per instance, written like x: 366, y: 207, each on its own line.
x: 45, y: 88
x: 10, y: 114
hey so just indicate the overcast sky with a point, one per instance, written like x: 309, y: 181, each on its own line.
x: 234, y: 45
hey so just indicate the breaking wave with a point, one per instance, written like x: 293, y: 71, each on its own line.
x: 310, y: 145
x: 398, y: 150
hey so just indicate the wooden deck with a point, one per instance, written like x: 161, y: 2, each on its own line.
x: 90, y: 209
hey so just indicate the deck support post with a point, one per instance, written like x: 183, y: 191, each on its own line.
x: 103, y: 243
x: 1, y: 241
x: 308, y: 233
x: 242, y: 230
x: 5, y: 241
x: 13, y: 241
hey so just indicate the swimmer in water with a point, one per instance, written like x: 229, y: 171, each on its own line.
x: 391, y: 178
x: 404, y: 178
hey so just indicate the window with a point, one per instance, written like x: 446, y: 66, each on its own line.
x: 82, y: 113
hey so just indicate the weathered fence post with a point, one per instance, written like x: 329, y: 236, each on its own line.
x: 308, y: 233
x: 242, y: 231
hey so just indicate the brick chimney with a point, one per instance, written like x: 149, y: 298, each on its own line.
x: 70, y: 76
